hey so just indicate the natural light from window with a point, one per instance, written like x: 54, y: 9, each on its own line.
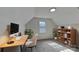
x: 42, y: 26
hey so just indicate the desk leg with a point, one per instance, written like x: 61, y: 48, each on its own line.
x: 21, y: 48
x: 2, y: 49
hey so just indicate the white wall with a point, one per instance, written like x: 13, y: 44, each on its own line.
x: 62, y: 15
x: 34, y: 25
x: 17, y: 15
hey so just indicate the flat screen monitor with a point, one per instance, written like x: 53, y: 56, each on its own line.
x: 14, y: 28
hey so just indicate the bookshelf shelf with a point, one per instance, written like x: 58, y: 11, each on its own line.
x: 67, y: 36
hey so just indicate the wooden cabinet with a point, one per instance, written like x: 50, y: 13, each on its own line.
x: 60, y: 35
x: 67, y: 36
x: 71, y: 37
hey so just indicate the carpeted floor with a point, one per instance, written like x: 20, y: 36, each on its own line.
x: 45, y: 46
x: 51, y: 46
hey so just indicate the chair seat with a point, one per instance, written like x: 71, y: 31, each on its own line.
x: 29, y: 43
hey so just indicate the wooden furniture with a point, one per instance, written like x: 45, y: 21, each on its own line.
x: 67, y: 36
x: 60, y: 34
x: 71, y: 37
x: 16, y: 42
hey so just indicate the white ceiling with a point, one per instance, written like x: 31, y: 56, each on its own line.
x: 62, y: 15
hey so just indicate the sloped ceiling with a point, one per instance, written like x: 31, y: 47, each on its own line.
x: 21, y: 15
x: 62, y: 15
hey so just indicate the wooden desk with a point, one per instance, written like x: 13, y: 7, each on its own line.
x: 20, y: 42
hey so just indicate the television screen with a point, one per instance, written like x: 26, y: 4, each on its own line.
x: 14, y: 28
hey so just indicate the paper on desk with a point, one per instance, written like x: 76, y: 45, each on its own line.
x: 18, y: 38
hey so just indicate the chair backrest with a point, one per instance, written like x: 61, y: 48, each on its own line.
x: 34, y: 39
x: 24, y: 36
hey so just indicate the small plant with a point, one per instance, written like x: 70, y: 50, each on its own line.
x: 55, y: 33
x: 29, y: 32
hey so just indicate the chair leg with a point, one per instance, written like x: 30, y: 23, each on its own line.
x: 31, y: 48
x: 35, y: 46
x: 26, y: 49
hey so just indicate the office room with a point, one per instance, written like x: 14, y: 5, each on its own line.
x: 44, y: 29
x: 39, y: 29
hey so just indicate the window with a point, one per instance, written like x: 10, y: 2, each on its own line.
x: 42, y: 26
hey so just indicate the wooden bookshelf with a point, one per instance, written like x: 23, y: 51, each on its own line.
x: 67, y: 36
x: 71, y: 37
x: 60, y: 34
